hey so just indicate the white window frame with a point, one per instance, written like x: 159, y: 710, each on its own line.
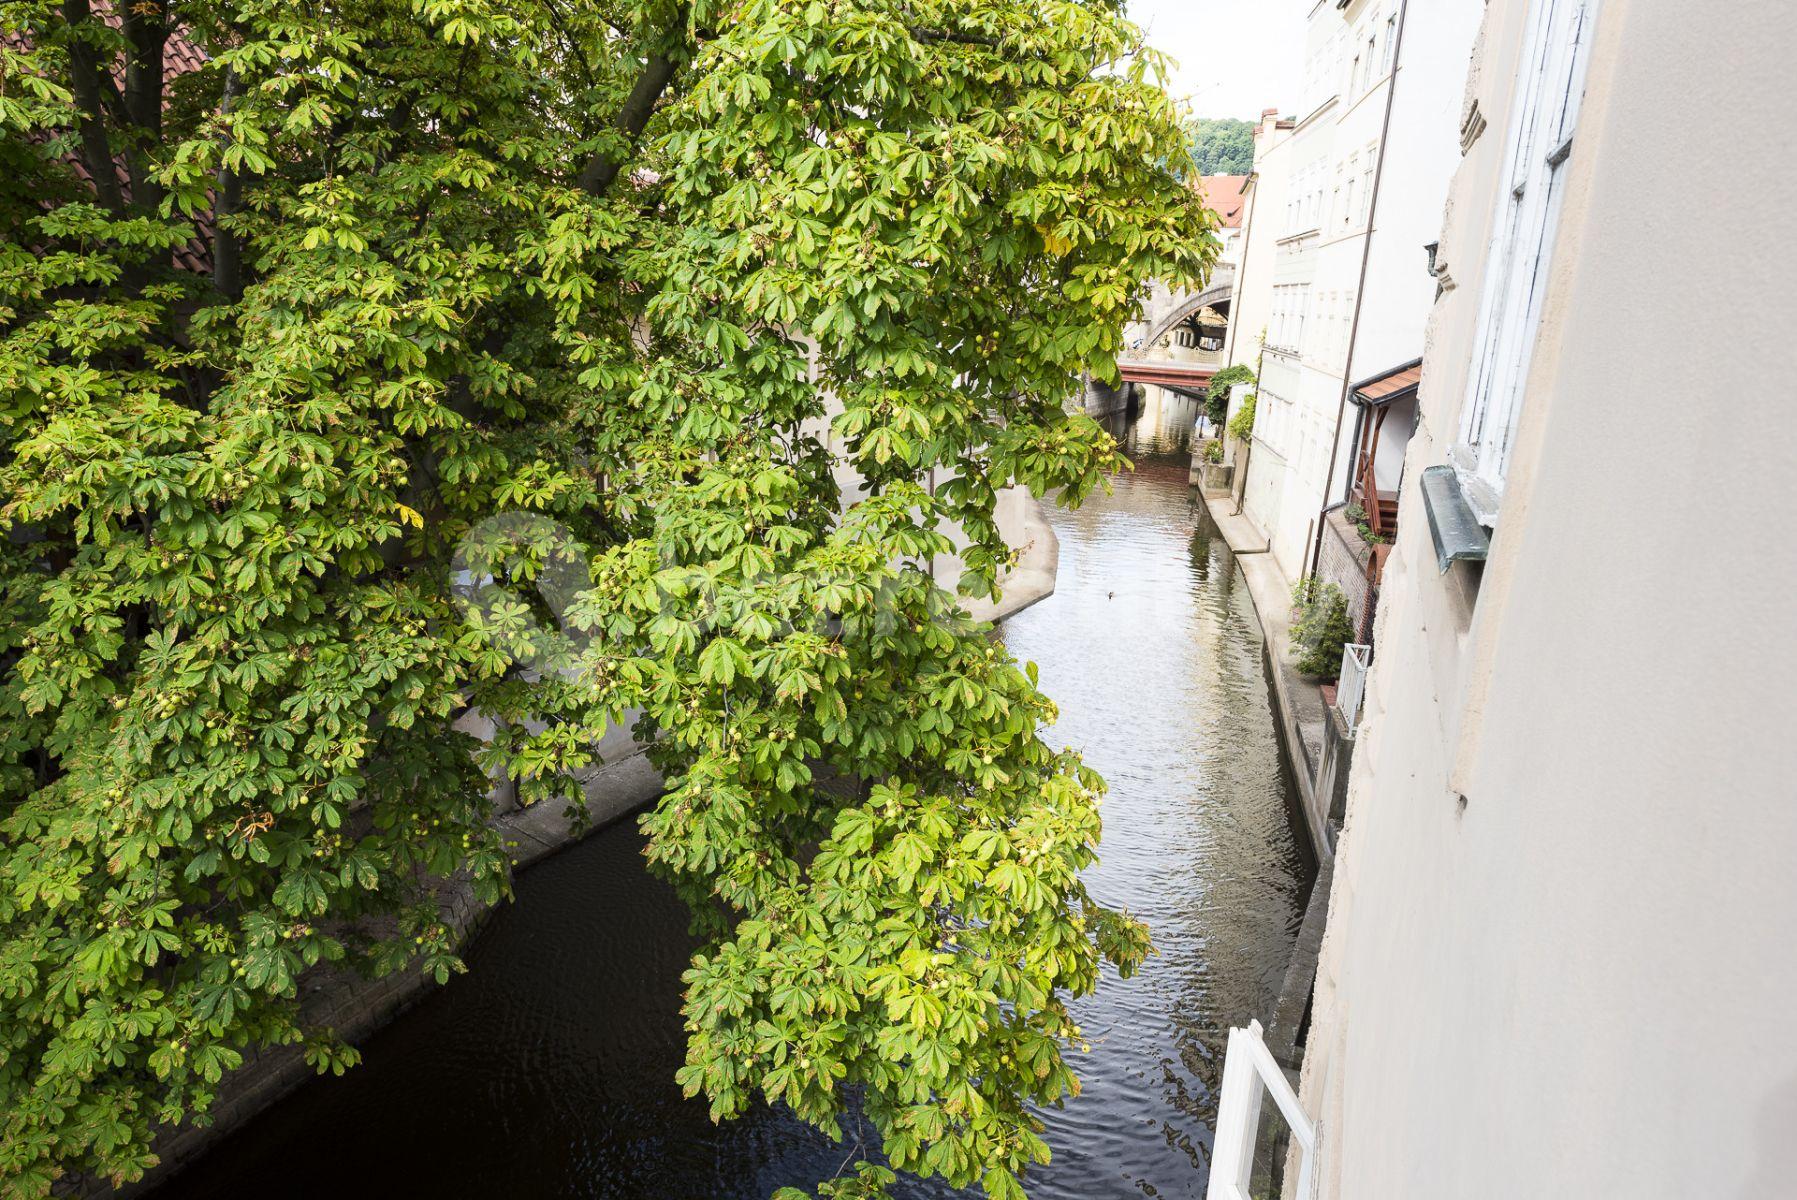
x: 1249, y: 1073
x: 1549, y: 91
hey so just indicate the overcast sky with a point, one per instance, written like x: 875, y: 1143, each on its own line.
x: 1235, y: 57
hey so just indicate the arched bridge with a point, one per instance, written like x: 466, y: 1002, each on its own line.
x: 1183, y: 309
x: 1177, y: 344
x: 1180, y: 343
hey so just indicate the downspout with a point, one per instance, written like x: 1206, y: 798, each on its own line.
x: 1366, y: 256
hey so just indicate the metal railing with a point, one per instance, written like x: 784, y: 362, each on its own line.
x: 1350, y: 689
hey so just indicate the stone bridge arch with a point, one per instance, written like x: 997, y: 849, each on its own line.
x: 1220, y: 292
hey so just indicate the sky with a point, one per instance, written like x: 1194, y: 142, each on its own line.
x: 1235, y: 57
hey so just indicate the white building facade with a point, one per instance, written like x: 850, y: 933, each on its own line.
x: 1350, y: 288
x: 1263, y: 201
x: 1558, y: 959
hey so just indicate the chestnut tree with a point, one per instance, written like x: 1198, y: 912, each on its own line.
x: 317, y: 318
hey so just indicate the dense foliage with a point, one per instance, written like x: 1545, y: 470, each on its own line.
x: 1357, y: 517
x: 1216, y: 397
x: 291, y: 315
x: 1222, y: 145
x: 1320, y: 627
x: 1241, y: 426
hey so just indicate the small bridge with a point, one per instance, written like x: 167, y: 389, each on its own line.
x: 1177, y: 344
x: 1171, y: 311
x: 1187, y: 378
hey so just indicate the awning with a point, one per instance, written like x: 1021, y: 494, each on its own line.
x: 1399, y: 383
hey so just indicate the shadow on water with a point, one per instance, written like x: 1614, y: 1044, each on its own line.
x: 548, y: 1070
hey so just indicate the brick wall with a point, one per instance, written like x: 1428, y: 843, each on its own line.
x: 1344, y: 563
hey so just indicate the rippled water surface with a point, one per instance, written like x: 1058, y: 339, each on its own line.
x: 547, y: 1071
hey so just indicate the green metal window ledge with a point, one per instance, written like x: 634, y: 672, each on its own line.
x: 1457, y: 532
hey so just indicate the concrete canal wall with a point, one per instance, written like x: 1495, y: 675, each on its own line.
x: 1318, y: 748
x: 1300, y: 712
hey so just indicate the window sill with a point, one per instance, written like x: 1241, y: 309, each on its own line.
x: 1457, y: 531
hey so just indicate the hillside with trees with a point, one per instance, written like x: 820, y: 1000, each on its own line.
x: 1222, y: 146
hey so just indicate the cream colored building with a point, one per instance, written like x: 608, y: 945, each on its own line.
x: 1263, y: 203
x: 1559, y: 958
x: 1349, y: 287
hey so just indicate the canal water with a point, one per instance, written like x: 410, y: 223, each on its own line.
x: 547, y: 1071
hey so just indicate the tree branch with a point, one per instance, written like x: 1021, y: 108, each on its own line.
x: 941, y: 35
x: 146, y: 32
x: 84, y: 77
x: 658, y: 72
x: 112, y: 98
x: 227, y: 250
x: 574, y: 52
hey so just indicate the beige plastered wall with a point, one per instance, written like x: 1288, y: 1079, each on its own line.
x: 1561, y: 957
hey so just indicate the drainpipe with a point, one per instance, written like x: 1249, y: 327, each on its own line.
x: 1366, y: 255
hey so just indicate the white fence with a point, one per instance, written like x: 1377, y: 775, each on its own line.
x: 1249, y: 1161
x: 1350, y: 689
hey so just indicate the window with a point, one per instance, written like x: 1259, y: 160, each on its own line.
x: 1541, y: 136
x: 1391, y: 42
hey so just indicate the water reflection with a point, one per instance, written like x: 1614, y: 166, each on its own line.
x: 547, y: 1071
x: 1155, y: 422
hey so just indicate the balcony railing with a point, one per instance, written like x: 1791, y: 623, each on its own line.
x: 1350, y: 689
x: 1193, y: 354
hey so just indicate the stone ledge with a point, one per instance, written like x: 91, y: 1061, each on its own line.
x: 1025, y: 525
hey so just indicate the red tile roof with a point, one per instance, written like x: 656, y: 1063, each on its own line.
x: 1395, y: 384
x: 179, y: 56
x: 1223, y: 194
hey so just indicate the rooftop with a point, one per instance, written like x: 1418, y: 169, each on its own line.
x: 1398, y: 383
x: 1223, y: 193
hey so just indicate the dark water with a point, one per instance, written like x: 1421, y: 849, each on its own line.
x: 547, y: 1071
